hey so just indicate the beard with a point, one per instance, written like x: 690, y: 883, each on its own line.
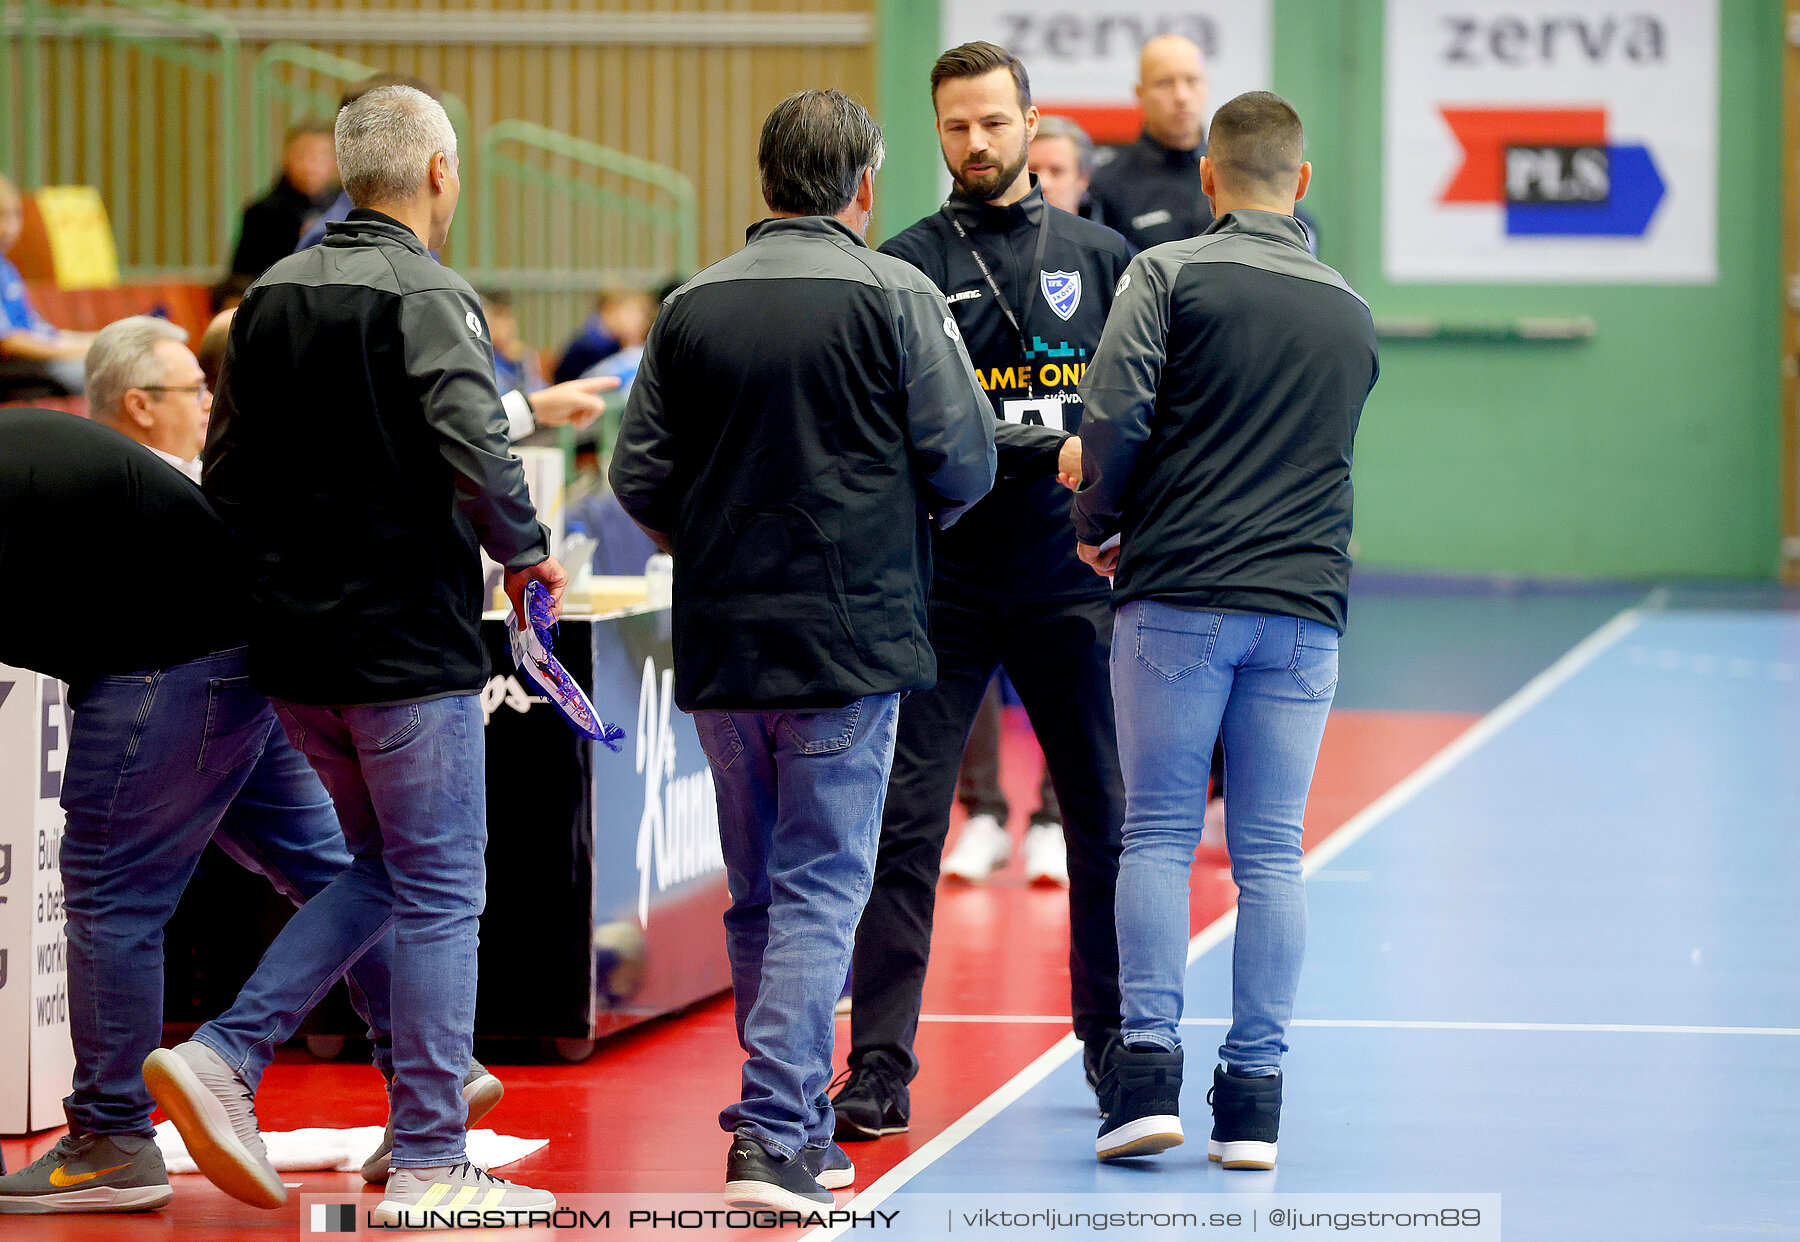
x: 989, y: 186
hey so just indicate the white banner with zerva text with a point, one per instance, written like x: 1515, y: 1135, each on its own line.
x: 1563, y: 141
x: 1083, y: 58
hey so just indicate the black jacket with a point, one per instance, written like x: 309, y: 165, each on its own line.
x: 1221, y: 409
x: 173, y: 589
x: 358, y: 449
x: 1151, y: 193
x: 801, y: 408
x: 272, y: 227
x: 1017, y: 544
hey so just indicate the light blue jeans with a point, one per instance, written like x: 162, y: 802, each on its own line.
x: 800, y: 796
x: 1180, y: 676
x: 410, y: 784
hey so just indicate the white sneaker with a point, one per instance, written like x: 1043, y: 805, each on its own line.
x: 982, y: 850
x: 433, y: 1198
x: 1046, y: 856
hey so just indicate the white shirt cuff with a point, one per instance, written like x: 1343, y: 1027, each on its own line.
x: 519, y: 422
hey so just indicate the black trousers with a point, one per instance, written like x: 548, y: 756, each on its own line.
x: 1056, y: 655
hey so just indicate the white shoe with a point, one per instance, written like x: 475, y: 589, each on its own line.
x: 432, y: 1198
x: 1212, y: 830
x: 982, y: 850
x: 1046, y: 856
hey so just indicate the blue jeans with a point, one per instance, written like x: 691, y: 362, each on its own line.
x: 410, y: 784
x: 1180, y: 676
x: 159, y: 764
x: 800, y: 796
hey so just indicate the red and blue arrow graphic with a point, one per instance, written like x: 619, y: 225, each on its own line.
x: 1635, y: 188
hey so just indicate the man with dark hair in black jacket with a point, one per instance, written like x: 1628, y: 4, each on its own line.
x: 803, y: 409
x: 1222, y: 409
x: 1030, y: 287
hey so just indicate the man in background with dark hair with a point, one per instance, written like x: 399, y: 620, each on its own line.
x: 1030, y: 287
x: 1233, y: 370
x: 803, y: 411
x: 274, y: 223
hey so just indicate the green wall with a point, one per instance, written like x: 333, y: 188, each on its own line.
x: 1651, y: 450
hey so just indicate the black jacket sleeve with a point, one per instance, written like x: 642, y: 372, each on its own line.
x: 1119, y: 392
x: 950, y: 425
x: 451, y: 364
x: 643, y: 461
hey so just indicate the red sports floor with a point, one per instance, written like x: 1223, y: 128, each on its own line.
x: 641, y: 1114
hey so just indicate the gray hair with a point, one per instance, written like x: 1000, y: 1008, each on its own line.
x: 815, y: 146
x: 385, y: 141
x: 1062, y: 127
x: 123, y: 357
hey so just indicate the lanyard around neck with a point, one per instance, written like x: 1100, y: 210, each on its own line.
x: 1016, y: 319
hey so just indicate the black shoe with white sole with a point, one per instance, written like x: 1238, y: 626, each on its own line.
x: 1094, y: 1055
x: 1140, y: 1103
x: 874, y: 1100
x: 1246, y: 1117
x: 830, y: 1166
x: 756, y: 1178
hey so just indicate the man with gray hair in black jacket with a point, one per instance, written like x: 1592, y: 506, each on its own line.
x: 804, y: 410
x: 358, y: 451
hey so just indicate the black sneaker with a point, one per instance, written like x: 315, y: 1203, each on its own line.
x: 830, y: 1165
x: 874, y: 1100
x: 1140, y: 1104
x: 1094, y: 1053
x: 1246, y: 1116
x: 754, y: 1178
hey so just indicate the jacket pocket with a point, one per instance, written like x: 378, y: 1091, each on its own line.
x: 238, y: 721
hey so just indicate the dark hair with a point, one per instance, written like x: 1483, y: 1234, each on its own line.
x: 362, y: 86
x: 815, y: 145
x: 301, y: 129
x: 1256, y: 139
x: 974, y: 60
x: 502, y: 298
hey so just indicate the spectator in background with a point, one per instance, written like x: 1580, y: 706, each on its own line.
x: 1150, y: 190
x: 144, y: 382
x: 515, y: 363
x: 340, y: 207
x: 212, y: 347
x: 621, y: 320
x: 1062, y: 156
x: 274, y: 223
x: 37, y: 358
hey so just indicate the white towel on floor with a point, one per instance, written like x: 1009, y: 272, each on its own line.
x: 343, y: 1151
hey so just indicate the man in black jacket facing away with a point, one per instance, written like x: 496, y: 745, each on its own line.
x: 802, y: 409
x: 359, y: 451
x: 1222, y: 407
x: 1030, y: 286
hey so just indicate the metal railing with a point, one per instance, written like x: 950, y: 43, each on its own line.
x: 558, y: 218
x: 183, y: 63
x: 283, y: 90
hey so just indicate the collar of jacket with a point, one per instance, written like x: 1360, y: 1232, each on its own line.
x: 362, y: 226
x: 1159, y: 154
x: 979, y: 214
x: 1275, y: 225
x: 815, y: 226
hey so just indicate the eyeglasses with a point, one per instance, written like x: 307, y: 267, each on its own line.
x: 195, y: 391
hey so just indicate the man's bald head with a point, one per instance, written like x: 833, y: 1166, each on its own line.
x: 1172, y: 91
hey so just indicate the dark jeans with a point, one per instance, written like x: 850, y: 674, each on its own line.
x: 978, y: 783
x: 159, y: 764
x: 799, y: 811
x: 1056, y: 655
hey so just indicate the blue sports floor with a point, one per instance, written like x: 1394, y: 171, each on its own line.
x: 1561, y: 964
